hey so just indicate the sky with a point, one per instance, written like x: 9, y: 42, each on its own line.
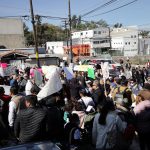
x: 136, y: 13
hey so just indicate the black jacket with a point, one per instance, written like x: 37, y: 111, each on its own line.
x: 30, y: 125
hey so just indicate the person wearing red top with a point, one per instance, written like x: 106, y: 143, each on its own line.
x: 4, y: 105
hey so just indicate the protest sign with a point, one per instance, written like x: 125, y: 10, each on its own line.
x: 91, y: 73
x: 69, y: 73
x: 105, y: 70
x: 38, y: 77
x: 7, y: 89
x: 3, y: 65
x: 48, y: 69
x: 7, y: 71
x: 82, y: 67
x: 52, y: 86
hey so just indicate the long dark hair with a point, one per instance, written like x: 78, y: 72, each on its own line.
x: 108, y: 106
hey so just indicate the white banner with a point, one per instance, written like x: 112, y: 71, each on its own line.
x: 52, y: 86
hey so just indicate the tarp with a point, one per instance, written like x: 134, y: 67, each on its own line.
x: 52, y: 86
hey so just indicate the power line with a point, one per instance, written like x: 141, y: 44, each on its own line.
x: 104, y: 5
x: 23, y: 16
x: 52, y: 17
x: 114, y: 9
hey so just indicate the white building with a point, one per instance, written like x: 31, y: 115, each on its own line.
x: 55, y: 47
x: 98, y: 39
x: 144, y: 46
x: 124, y: 41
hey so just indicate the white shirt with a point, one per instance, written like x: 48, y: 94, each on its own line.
x: 28, y: 88
x: 87, y: 101
x: 12, y: 113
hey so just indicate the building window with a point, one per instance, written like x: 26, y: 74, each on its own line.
x: 131, y: 36
x: 125, y: 43
x: 129, y: 43
x: 81, y: 33
x: 99, y: 32
x: 95, y: 32
x: 135, y: 36
x: 86, y: 33
x: 134, y: 42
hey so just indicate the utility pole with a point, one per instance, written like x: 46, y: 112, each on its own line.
x: 34, y: 34
x: 70, y: 30
x: 109, y: 39
x: 66, y: 33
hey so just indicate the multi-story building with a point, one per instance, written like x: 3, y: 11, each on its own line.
x: 91, y: 42
x: 125, y: 41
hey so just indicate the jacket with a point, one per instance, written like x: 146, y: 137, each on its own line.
x: 30, y: 125
x: 99, y: 132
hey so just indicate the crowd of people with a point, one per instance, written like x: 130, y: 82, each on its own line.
x: 86, y: 113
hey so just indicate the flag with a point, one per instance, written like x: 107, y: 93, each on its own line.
x: 91, y: 73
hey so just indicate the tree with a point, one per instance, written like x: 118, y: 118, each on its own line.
x: 118, y: 25
x: 144, y: 33
x: 102, y: 23
x: 29, y: 40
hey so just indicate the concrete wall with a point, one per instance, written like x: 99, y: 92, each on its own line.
x: 11, y: 33
x: 12, y: 41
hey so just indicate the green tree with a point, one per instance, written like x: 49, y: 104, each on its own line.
x: 118, y: 25
x: 144, y: 33
x: 29, y: 40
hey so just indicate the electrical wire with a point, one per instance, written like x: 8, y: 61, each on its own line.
x: 102, y: 6
x: 114, y: 9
